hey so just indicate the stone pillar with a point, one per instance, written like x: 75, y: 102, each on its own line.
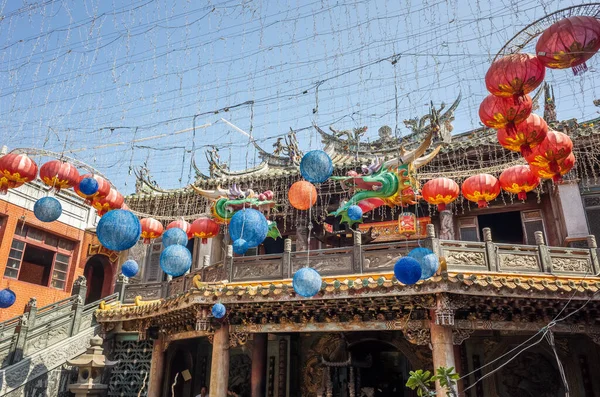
x: 572, y: 212
x: 258, y: 379
x: 157, y: 368
x: 287, y: 258
x: 357, y: 262
x: 441, y: 340
x: 219, y: 368
x: 490, y: 249
x: 120, y: 286
x: 446, y: 225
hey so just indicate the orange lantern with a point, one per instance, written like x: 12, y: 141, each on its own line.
x: 302, y: 195
x: 16, y: 170
x: 556, y: 172
x: 151, y: 229
x: 529, y: 134
x: 183, y: 225
x: 407, y: 224
x: 496, y: 112
x: 569, y: 42
x: 204, y: 228
x: 480, y: 189
x: 440, y: 191
x: 514, y: 75
x: 519, y: 180
x: 103, y: 188
x: 59, y: 175
x: 557, y: 146
x: 113, y: 201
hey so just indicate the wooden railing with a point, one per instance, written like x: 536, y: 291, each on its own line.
x: 467, y: 256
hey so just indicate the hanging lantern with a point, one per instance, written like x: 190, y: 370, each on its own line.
x: 240, y: 246
x: 519, y: 180
x: 515, y: 75
x: 119, y: 230
x: 183, y: 225
x: 407, y: 270
x: 528, y: 135
x: 440, y: 192
x: 16, y: 170
x: 355, y: 212
x: 480, y: 189
x: 307, y: 282
x: 316, y: 166
x: 113, y: 201
x: 7, y: 298
x: 151, y: 229
x: 250, y: 225
x: 204, y: 228
x: 302, y: 195
x: 174, y: 236
x: 47, y: 209
x: 218, y: 310
x: 59, y: 175
x: 557, y: 146
x: 175, y: 260
x: 569, y: 43
x: 557, y: 169
x: 130, y: 268
x: 496, y: 112
x: 83, y: 188
x: 407, y: 224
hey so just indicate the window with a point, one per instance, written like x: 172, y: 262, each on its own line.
x: 468, y: 229
x: 592, y: 210
x: 532, y: 222
x: 39, y: 257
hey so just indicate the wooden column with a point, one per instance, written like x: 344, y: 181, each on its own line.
x: 157, y: 368
x: 219, y: 368
x: 442, y: 319
x: 259, y: 365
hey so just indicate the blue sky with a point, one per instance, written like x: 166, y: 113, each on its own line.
x: 117, y: 84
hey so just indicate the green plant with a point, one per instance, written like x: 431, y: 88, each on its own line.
x: 422, y: 381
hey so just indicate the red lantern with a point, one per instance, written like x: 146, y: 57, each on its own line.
x: 496, y: 112
x: 151, y: 229
x: 103, y: 188
x: 16, y: 170
x: 529, y: 134
x: 556, y: 172
x: 514, y: 75
x: 204, y: 228
x: 183, y: 225
x: 569, y: 43
x: 440, y: 191
x: 519, y: 180
x: 59, y: 175
x: 557, y: 146
x: 407, y: 224
x: 113, y: 201
x: 480, y: 189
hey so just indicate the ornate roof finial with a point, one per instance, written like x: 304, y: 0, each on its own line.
x: 549, y: 104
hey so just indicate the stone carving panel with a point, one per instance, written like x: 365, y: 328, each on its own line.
x: 570, y: 264
x: 519, y: 261
x: 380, y: 260
x: 465, y: 258
x: 263, y: 270
x: 326, y: 264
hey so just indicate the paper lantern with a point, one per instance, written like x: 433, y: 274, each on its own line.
x: 59, y: 175
x: 183, y: 225
x: 429, y: 265
x: 85, y: 186
x: 307, y: 282
x: 218, y: 310
x: 16, y: 170
x: 407, y: 270
x: 175, y: 260
x: 113, y: 201
x: 558, y: 169
x: 496, y: 112
x: 204, y: 228
x: 480, y: 189
x: 519, y: 180
x: 355, y: 213
x: 119, y: 230
x: 7, y: 298
x: 316, y: 166
x: 47, y: 209
x: 250, y: 225
x: 130, y: 268
x: 407, y: 223
x: 151, y: 229
x: 240, y: 246
x: 302, y: 195
x: 440, y: 192
x: 515, y: 75
x: 569, y: 42
x: 419, y: 253
x: 174, y: 236
x: 556, y: 147
x: 528, y: 134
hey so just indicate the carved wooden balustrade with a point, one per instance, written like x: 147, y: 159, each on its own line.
x: 460, y: 256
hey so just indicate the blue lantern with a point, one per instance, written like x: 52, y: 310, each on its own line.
x: 429, y: 265
x: 250, y: 225
x: 130, y: 268
x: 175, y: 260
x: 119, y: 230
x: 407, y: 270
x: 307, y: 282
x: 355, y: 213
x: 88, y: 186
x: 316, y: 166
x: 47, y: 209
x: 419, y: 253
x: 219, y: 310
x: 240, y: 246
x: 7, y: 298
x: 174, y: 236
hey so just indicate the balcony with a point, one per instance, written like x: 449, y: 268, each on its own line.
x: 458, y: 256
